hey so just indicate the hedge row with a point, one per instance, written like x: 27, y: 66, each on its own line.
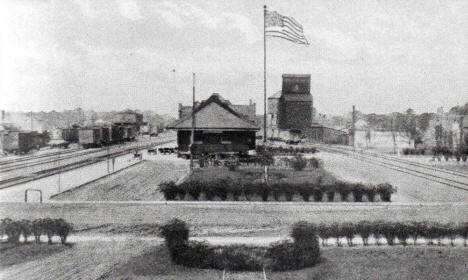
x: 304, y: 251
x: 285, y: 150
x: 391, y: 231
x: 50, y: 227
x: 227, y: 188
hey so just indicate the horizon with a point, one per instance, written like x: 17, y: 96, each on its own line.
x: 383, y: 57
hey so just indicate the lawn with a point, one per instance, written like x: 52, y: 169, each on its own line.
x: 337, y: 263
x: 251, y: 174
x: 12, y: 254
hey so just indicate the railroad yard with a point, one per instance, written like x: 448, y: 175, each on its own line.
x: 126, y: 206
x: 143, y: 140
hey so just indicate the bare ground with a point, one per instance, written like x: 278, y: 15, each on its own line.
x: 136, y: 183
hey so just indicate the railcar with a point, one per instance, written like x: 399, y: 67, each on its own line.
x: 22, y: 142
x: 90, y: 137
x: 70, y: 134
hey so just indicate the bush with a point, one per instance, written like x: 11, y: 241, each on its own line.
x: 169, y: 190
x: 249, y: 190
x: 305, y: 190
x: 62, y: 229
x: 402, y: 232
x: 358, y: 191
x: 348, y: 230
x: 314, y: 163
x: 330, y: 192
x: 317, y: 192
x: 298, y: 163
x: 463, y: 232
x: 174, y: 232
x: 12, y: 230
x: 277, y: 191
x: 364, y: 229
x: 194, y: 188
x: 264, y: 191
x: 288, y: 192
x: 344, y: 190
x: 221, y: 189
x: 385, y: 191
x: 324, y: 232
x: 303, y: 252
x: 240, y: 258
x: 370, y: 192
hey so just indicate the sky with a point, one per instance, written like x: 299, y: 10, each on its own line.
x: 382, y: 56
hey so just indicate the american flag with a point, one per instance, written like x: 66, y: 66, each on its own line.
x: 280, y: 26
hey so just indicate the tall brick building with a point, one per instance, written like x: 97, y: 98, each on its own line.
x: 291, y: 108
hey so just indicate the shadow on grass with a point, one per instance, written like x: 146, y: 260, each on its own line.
x: 12, y: 254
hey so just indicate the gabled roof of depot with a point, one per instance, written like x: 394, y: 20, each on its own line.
x: 215, y: 113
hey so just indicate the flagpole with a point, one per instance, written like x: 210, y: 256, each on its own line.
x: 264, y: 77
x: 264, y: 92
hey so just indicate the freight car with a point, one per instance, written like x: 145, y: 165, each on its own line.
x: 70, y: 134
x: 22, y: 142
x: 90, y: 137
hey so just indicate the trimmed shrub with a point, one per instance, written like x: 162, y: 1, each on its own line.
x: 209, y: 191
x: 402, y: 232
x: 12, y: 230
x: 305, y: 190
x: 344, y: 190
x: 348, y: 230
x: 249, y: 190
x: 324, y: 232
x: 452, y: 232
x: 463, y: 232
x: 62, y: 229
x: 370, y: 192
x: 264, y: 191
x: 277, y: 191
x: 385, y: 191
x: 335, y: 231
x: 26, y: 229
x: 235, y: 190
x: 317, y: 193
x: 174, y: 232
x: 169, y: 190
x: 288, y: 192
x: 194, y: 188
x: 330, y: 192
x: 314, y: 163
x: 240, y: 258
x: 364, y: 229
x: 358, y: 191
x: 221, y: 189
x: 298, y: 163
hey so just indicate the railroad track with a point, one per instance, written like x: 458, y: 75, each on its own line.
x: 11, y: 182
x: 7, y: 167
x: 27, y: 158
x: 457, y: 180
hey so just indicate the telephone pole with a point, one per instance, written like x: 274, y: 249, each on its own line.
x: 192, y: 136
x: 353, y: 127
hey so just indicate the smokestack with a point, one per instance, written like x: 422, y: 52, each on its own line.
x: 3, y: 116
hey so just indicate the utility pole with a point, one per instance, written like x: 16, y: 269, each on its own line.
x: 60, y: 171
x: 393, y: 135
x: 353, y: 127
x: 31, y: 118
x: 192, y: 136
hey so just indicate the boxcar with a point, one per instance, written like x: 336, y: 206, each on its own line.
x: 117, y: 133
x: 70, y: 134
x: 90, y: 137
x: 18, y: 142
